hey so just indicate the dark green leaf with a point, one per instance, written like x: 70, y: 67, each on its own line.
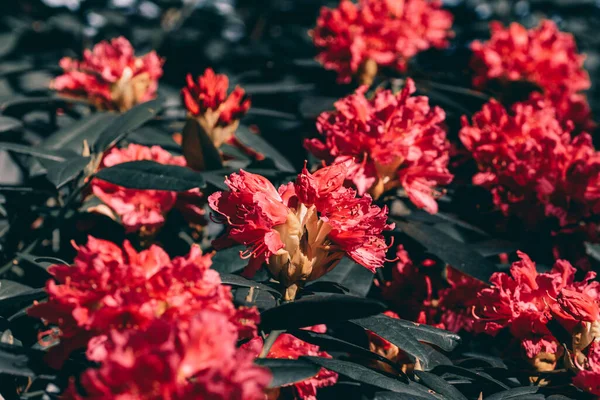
x: 258, y: 144
x: 445, y: 340
x: 439, y: 385
x: 228, y: 260
x: 286, y: 372
x: 88, y: 128
x: 20, y: 361
x: 14, y: 296
x: 330, y: 343
x: 384, y: 327
x: 397, y: 396
x: 236, y: 280
x: 449, y: 250
x: 365, y: 375
x: 350, y: 275
x: 59, y: 174
x: 517, y: 393
x: 319, y: 309
x: 278, y: 87
x: 8, y: 42
x: 198, y: 149
x: 147, y: 175
x: 126, y: 123
x: 8, y: 124
x: 18, y: 107
x: 36, y: 151
x: 481, y: 377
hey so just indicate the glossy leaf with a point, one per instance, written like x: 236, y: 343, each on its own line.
x: 258, y: 144
x: 319, y: 309
x: 147, y: 175
x: 449, y: 250
x: 125, y: 123
x: 286, y: 372
x: 387, y: 329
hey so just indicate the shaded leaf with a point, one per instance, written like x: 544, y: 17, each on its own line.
x: 449, y: 250
x: 147, y: 175
x: 198, y: 149
x: 439, y: 385
x: 445, y: 340
x: 383, y: 326
x: 36, y: 151
x: 258, y: 144
x: 88, y: 128
x: 517, y: 393
x: 286, y: 372
x: 319, y: 309
x: 365, y: 375
x: 62, y: 173
x: 125, y: 123
x: 236, y: 280
x: 350, y: 275
x: 228, y: 260
x: 20, y: 361
x: 479, y: 376
x: 14, y: 296
x: 8, y: 124
x: 330, y: 343
x: 18, y: 107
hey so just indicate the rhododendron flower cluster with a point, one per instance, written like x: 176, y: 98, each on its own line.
x: 302, y: 230
x: 287, y: 346
x: 110, y: 76
x: 354, y: 39
x: 217, y: 112
x: 394, y: 140
x: 524, y: 301
x: 543, y: 56
x: 109, y: 287
x: 145, y: 210
x: 532, y: 167
x: 196, y: 360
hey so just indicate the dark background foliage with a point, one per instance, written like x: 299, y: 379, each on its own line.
x: 265, y: 47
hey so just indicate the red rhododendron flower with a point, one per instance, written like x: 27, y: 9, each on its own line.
x: 118, y: 288
x: 542, y: 55
x: 193, y: 360
x: 208, y: 102
x: 523, y: 301
x: 378, y: 32
x: 394, y: 140
x: 145, y: 209
x: 531, y: 165
x: 287, y: 346
x: 110, y: 75
x: 303, y: 229
x: 588, y: 378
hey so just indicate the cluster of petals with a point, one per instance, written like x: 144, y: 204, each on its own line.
x: 415, y: 294
x: 109, y: 287
x: 384, y: 32
x: 197, y: 359
x: 524, y: 301
x: 588, y: 376
x: 145, y: 209
x: 531, y: 165
x: 218, y: 113
x: 392, y: 140
x: 110, y: 76
x: 287, y: 346
x: 302, y: 230
x: 543, y: 56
